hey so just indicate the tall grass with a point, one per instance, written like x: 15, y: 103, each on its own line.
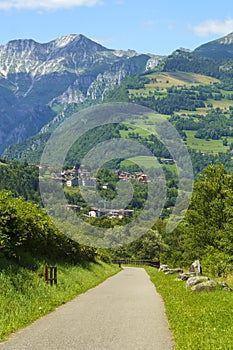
x: 199, y: 321
x: 24, y: 295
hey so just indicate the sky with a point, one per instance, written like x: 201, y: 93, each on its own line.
x: 147, y: 26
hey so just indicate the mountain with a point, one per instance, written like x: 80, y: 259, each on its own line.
x: 220, y: 49
x: 37, y: 80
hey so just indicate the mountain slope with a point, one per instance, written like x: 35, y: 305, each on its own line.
x: 218, y: 49
x: 35, y: 78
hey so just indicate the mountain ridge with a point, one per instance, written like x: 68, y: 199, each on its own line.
x: 221, y: 48
x: 69, y: 69
x: 39, y: 81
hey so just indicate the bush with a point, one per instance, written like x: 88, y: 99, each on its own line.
x: 216, y: 263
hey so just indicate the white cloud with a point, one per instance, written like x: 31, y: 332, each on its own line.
x: 46, y: 4
x: 214, y: 27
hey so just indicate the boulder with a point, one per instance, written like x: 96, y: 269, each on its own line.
x: 173, y: 271
x: 205, y: 286
x: 164, y: 268
x: 192, y: 281
x: 225, y: 286
x: 196, y: 267
x: 185, y: 276
x: 210, y: 285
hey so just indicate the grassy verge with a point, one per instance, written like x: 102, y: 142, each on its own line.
x: 199, y: 321
x: 24, y: 295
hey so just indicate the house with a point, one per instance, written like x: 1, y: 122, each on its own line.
x: 166, y: 161
x: 111, y: 213
x: 76, y: 208
x: 72, y: 182
x: 141, y: 177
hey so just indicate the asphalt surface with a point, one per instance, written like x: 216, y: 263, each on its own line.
x: 123, y: 313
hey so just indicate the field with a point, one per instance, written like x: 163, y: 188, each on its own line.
x: 199, y: 321
x: 166, y: 79
x: 159, y: 83
x: 211, y: 146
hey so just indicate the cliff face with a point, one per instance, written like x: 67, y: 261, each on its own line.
x: 35, y: 78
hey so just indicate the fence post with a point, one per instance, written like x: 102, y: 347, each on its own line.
x: 51, y: 274
x: 55, y: 275
x: 46, y: 273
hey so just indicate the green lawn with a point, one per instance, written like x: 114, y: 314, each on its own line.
x: 144, y: 161
x: 211, y: 146
x: 199, y: 321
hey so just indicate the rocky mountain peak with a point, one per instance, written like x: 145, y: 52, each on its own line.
x: 226, y: 40
x: 65, y: 40
x: 70, y: 69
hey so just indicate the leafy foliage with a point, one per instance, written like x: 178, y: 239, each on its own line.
x: 26, y: 228
x: 206, y: 231
x: 20, y: 179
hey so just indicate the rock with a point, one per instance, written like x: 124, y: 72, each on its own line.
x: 210, y: 285
x: 192, y: 281
x: 205, y: 286
x: 185, y: 276
x: 225, y: 286
x: 164, y: 268
x: 196, y: 267
x: 173, y: 271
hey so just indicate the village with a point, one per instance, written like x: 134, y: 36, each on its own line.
x: 81, y: 176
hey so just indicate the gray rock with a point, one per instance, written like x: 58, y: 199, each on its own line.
x: 173, y: 271
x: 196, y: 267
x: 225, y: 286
x: 210, y: 286
x: 164, y: 268
x: 192, y: 281
x: 205, y: 286
x: 185, y: 276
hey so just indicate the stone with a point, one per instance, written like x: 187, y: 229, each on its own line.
x: 196, y: 267
x: 185, y: 276
x: 225, y: 286
x: 192, y: 281
x: 164, y: 268
x: 207, y: 286
x: 173, y: 271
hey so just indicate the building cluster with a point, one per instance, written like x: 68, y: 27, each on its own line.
x: 126, y: 176
x: 81, y: 176
x: 78, y: 176
x: 110, y: 213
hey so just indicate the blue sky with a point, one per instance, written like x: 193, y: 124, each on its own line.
x: 153, y: 26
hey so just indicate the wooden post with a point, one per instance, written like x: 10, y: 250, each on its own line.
x: 46, y: 273
x: 55, y: 275
x: 51, y: 274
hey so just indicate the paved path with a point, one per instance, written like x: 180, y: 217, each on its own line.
x: 123, y: 313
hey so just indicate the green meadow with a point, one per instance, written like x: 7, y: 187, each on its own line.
x: 198, y: 321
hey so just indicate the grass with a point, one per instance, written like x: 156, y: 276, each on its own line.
x: 167, y: 79
x: 148, y: 163
x: 145, y: 161
x: 199, y: 321
x: 211, y: 146
x: 134, y: 129
x: 224, y: 103
x: 24, y: 295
